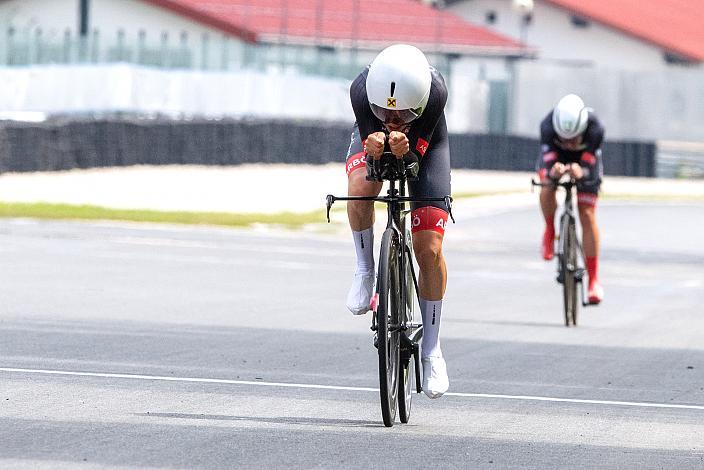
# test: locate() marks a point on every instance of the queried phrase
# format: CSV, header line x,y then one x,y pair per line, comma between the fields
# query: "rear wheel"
x,y
405,386
409,347
388,320
572,263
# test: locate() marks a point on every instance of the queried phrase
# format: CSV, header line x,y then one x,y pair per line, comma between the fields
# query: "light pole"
x,y
83,30
83,18
525,11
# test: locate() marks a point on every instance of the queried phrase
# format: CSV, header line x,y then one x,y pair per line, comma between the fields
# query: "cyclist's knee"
x,y
427,245
587,212
357,185
586,203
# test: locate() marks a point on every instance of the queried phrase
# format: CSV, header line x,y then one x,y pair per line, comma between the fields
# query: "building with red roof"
x,y
342,35
367,24
632,34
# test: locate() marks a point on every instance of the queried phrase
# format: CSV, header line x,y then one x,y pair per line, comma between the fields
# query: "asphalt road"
x,y
154,346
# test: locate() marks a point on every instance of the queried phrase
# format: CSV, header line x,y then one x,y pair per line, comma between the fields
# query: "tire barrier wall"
x,y
63,145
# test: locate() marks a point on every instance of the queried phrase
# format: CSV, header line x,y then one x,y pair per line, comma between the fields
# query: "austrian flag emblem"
x,y
422,146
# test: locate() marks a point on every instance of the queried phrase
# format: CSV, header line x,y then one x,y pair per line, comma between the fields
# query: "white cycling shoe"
x,y
435,381
360,293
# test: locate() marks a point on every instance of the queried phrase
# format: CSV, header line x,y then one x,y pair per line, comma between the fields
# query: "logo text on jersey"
x,y
429,218
422,146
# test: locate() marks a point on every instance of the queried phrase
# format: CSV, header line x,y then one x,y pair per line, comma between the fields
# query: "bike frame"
x,y
569,212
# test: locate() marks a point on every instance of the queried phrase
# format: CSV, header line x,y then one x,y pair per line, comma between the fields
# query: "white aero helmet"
x,y
398,84
570,117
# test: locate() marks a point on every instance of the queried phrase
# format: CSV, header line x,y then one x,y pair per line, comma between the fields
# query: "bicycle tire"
x,y
407,370
388,339
405,388
568,260
572,263
562,266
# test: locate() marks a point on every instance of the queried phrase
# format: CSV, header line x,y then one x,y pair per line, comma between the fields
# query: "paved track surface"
x,y
154,346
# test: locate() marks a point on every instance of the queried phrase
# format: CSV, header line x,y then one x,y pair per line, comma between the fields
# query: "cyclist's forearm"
x,y
589,162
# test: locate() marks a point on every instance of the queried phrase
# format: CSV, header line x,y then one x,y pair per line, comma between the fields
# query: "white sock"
x,y
430,311
364,246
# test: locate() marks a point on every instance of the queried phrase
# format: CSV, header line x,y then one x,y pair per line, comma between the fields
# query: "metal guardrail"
x,y
680,159
63,144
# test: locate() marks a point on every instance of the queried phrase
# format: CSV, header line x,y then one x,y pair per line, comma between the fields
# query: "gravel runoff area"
x,y
261,188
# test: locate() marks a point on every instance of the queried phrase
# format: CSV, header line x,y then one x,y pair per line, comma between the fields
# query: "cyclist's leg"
x,y
428,221
359,213
361,219
590,230
548,206
587,197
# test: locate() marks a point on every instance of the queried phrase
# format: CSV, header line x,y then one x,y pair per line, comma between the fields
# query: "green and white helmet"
x,y
569,119
398,84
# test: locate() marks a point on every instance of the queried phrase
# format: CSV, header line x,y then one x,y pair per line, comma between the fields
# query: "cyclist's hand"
x,y
557,170
375,145
398,142
575,170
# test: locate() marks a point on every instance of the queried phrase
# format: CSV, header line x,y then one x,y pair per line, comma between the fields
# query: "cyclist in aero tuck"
x,y
401,96
571,137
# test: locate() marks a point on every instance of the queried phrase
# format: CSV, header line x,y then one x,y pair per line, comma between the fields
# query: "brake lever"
x,y
448,204
330,199
376,164
401,167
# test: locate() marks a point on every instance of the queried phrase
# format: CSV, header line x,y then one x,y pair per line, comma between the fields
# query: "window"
x,y
675,59
579,22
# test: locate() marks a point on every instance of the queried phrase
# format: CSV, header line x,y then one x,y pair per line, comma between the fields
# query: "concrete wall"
x,y
86,89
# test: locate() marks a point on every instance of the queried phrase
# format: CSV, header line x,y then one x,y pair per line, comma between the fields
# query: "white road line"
x,y
263,247
579,401
353,389
184,379
169,258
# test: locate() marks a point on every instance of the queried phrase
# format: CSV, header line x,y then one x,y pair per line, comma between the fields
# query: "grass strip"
x,y
653,197
43,210
468,195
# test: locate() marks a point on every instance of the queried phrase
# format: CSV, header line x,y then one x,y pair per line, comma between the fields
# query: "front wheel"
x,y
569,271
388,325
